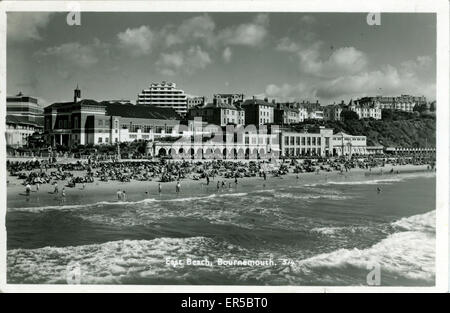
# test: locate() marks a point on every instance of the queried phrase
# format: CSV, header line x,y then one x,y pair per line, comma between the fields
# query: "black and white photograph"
x,y
209,147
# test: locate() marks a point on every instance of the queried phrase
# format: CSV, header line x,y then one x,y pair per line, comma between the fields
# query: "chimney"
x,y
266,99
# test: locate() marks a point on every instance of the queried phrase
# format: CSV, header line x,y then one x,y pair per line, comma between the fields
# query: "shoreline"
x,y
140,190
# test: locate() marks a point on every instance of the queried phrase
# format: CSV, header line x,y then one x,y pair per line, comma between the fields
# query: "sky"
x,y
284,56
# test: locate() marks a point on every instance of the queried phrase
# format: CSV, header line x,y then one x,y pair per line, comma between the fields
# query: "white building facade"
x,y
164,95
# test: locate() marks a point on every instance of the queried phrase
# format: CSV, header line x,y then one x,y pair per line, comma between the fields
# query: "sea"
x,y
340,231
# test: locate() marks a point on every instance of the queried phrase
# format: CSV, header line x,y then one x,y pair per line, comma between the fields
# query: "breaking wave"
x,y
409,253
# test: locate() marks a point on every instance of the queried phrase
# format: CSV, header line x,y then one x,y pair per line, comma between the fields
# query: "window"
x,y
286,140
303,141
100,139
309,141
106,139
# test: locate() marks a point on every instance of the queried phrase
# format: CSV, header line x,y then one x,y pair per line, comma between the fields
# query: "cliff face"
x,y
408,133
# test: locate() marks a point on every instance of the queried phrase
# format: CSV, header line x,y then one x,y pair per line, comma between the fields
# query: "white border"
x,y
440,7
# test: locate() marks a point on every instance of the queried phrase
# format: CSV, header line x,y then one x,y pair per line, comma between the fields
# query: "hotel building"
x,y
366,109
164,95
404,103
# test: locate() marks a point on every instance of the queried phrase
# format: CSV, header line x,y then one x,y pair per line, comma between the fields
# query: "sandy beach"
x,y
100,191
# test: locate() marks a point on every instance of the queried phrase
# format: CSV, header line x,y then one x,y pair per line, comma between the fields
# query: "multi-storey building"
x,y
314,110
195,102
24,117
164,95
84,122
332,112
402,103
228,98
219,113
365,109
25,106
258,112
287,113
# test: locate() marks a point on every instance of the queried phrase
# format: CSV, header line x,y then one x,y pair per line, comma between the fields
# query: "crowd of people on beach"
x,y
36,172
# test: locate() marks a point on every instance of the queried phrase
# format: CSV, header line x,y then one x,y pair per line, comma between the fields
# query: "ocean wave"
x,y
421,222
410,253
333,230
112,262
312,196
407,254
105,203
381,181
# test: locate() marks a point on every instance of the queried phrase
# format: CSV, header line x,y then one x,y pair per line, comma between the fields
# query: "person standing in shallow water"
x,y
178,187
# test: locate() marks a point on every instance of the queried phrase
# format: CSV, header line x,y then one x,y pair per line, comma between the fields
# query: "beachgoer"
x,y
159,188
56,190
235,180
37,186
177,187
218,185
63,192
378,190
28,189
119,194
124,196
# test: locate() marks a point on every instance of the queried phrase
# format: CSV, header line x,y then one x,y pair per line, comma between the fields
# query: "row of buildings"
x,y
166,94
163,111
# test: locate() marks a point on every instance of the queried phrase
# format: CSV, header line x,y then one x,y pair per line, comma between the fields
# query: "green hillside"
x,y
409,133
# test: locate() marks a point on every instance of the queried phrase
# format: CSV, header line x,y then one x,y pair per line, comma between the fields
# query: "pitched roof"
x,y
256,102
140,111
219,106
81,102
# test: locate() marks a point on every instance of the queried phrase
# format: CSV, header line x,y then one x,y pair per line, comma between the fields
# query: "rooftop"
x,y
140,111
